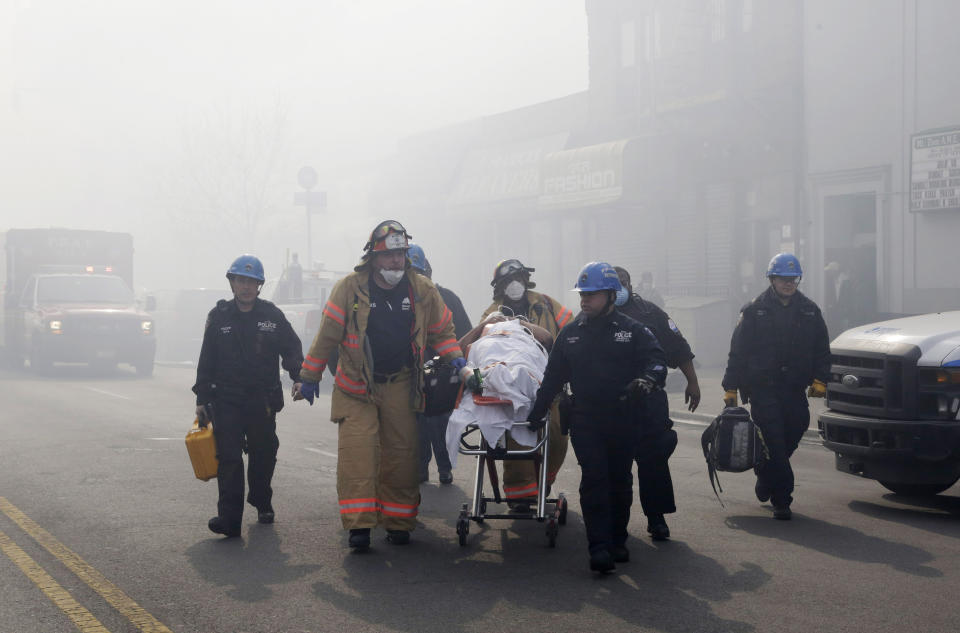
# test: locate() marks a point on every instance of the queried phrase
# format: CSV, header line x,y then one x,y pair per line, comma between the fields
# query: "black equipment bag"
x,y
732,443
441,387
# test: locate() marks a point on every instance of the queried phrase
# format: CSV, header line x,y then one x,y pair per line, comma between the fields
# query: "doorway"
x,y
850,253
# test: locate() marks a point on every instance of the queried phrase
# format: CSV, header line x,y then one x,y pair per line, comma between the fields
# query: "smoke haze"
x,y
151,117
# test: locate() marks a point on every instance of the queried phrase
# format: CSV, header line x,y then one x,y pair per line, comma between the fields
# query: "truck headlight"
x,y
56,327
146,327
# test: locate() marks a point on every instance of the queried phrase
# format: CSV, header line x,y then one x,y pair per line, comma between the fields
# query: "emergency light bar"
x,y
76,268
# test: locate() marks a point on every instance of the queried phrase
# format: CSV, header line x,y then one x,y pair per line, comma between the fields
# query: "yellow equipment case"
x,y
202,449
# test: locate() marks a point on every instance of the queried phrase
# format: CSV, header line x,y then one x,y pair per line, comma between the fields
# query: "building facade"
x,y
715,134
883,143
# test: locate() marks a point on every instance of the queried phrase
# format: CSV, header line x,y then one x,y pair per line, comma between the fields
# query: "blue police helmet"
x,y
784,265
246,266
597,276
418,259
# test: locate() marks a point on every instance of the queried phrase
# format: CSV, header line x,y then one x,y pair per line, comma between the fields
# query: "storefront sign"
x,y
585,176
935,175
503,173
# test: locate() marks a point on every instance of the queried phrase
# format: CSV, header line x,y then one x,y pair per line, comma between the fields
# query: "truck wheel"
x,y
39,363
144,370
917,490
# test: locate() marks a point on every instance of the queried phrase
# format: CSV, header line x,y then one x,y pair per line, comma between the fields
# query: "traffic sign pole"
x,y
312,201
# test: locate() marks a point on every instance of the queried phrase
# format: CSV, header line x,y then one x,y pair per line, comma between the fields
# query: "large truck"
x,y
893,403
67,297
303,303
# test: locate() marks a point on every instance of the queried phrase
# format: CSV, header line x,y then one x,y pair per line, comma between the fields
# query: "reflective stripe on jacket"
x,y
344,325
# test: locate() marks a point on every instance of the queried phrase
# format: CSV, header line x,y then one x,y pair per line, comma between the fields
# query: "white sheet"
x,y
512,363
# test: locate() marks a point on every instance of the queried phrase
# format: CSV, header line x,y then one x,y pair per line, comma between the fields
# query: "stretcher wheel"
x,y
463,528
562,509
552,531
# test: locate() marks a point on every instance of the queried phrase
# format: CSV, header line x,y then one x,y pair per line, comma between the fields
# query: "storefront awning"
x,y
504,173
585,176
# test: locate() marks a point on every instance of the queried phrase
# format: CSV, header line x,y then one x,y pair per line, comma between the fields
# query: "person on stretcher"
x,y
511,355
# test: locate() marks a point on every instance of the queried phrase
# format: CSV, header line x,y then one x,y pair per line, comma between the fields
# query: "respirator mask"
x,y
392,277
514,290
622,296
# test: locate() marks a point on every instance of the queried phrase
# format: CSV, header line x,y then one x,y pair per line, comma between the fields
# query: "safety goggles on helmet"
x,y
387,236
509,267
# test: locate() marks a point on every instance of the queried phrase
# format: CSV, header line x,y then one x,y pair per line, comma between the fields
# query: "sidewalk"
x,y
711,400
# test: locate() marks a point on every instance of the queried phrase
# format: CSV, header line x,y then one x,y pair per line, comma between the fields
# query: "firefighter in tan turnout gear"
x,y
513,296
380,318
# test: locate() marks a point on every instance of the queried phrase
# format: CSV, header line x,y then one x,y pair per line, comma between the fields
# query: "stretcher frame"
x,y
487,456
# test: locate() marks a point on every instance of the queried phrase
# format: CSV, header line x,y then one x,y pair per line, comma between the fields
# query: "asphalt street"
x,y
103,528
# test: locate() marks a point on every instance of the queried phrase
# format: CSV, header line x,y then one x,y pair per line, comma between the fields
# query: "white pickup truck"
x,y
893,403
303,309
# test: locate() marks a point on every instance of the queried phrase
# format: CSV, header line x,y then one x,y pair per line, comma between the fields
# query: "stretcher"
x,y
553,511
511,362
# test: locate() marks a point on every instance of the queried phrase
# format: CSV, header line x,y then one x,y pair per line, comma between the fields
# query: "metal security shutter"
x,y
626,238
718,203
685,236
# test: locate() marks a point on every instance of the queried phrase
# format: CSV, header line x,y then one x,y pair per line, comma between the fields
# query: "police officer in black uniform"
x,y
657,437
238,388
432,429
611,362
779,347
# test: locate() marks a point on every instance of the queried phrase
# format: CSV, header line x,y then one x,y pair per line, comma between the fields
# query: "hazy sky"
x,y
95,95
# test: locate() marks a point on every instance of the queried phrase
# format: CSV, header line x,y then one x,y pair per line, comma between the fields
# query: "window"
x,y
646,30
83,289
655,47
718,27
628,44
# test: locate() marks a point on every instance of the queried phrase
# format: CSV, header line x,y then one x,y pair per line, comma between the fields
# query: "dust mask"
x,y
392,277
622,295
514,290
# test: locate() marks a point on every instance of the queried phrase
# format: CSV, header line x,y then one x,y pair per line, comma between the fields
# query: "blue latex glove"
x,y
310,390
459,363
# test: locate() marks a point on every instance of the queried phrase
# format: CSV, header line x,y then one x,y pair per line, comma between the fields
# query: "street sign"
x,y
935,170
315,201
307,177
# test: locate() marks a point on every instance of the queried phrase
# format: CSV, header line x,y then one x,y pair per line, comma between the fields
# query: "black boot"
x,y
601,561
620,553
219,526
782,513
398,537
265,514
360,538
657,527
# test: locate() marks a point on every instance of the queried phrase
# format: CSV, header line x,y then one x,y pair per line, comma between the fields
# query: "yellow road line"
x,y
110,592
60,596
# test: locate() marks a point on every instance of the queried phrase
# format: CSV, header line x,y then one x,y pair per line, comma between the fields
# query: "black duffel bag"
x,y
441,387
732,443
